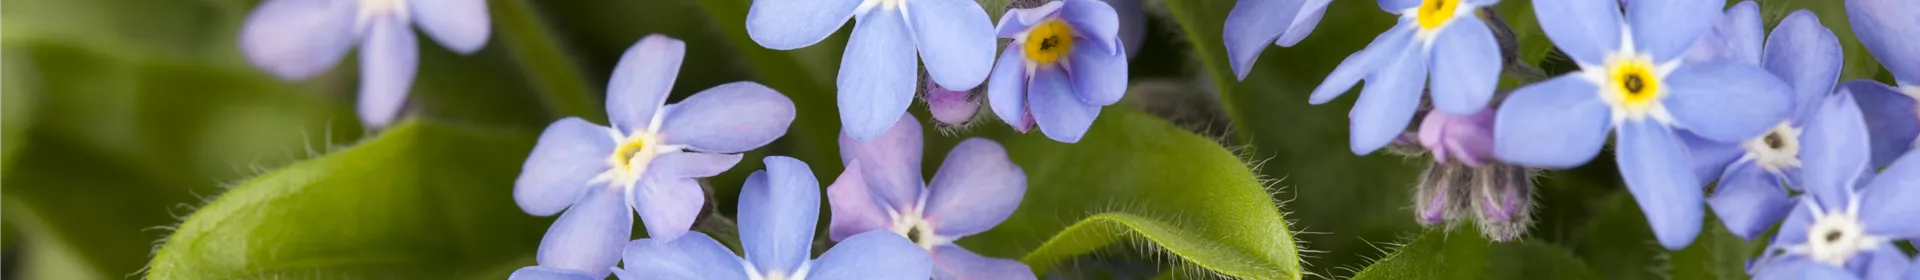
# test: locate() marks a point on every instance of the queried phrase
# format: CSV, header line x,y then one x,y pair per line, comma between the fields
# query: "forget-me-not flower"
x,y
296,39
1254,24
1633,79
976,188
1846,224
1753,174
646,162
1441,37
877,71
1066,61
778,211
1887,28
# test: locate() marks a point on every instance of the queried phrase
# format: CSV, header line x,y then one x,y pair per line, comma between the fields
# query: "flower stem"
x,y
555,75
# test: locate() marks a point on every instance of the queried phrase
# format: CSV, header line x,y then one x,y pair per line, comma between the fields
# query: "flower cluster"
x,y
297,39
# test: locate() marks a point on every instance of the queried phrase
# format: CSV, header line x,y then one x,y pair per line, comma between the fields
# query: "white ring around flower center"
x,y
1425,35
1776,151
1610,90
869,5
1835,237
912,224
624,169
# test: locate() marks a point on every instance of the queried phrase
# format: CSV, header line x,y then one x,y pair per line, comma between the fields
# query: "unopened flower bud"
x,y
951,107
1502,201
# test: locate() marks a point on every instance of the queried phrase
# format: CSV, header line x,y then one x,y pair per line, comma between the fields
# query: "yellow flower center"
x,y
1048,41
623,155
1634,86
1434,13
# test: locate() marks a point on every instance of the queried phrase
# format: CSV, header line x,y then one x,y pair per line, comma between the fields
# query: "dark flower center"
x,y
1634,84
1774,141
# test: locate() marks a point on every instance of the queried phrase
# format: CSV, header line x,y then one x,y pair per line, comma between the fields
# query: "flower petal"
x,y
1807,56
951,107
1711,158
1892,119
296,39
1017,21
1833,151
570,152
1738,36
876,75
1466,67
1397,6
588,237
1555,124
459,25
778,208
976,188
792,24
955,38
1586,30
729,118
1749,201
1388,101
542,273
1804,269
1468,139
953,262
855,208
1098,78
1666,29
1888,205
891,162
1659,175
1007,90
694,256
1361,64
667,206
1887,262
388,59
874,255
1250,26
642,81
691,164
1886,28
1303,23
1096,22
1726,101
1061,115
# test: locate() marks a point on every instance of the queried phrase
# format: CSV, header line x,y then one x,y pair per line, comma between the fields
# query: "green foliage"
x,y
1462,254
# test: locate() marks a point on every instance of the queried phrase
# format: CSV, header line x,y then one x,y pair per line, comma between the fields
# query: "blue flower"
x,y
1846,224
778,211
1066,61
877,70
1887,29
1442,37
297,39
1633,78
1754,173
976,188
646,162
1254,24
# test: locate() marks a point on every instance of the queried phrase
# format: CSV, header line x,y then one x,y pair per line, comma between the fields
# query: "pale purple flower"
x,y
1846,225
1254,24
976,188
297,39
954,38
1467,139
1066,62
1439,46
1887,29
646,162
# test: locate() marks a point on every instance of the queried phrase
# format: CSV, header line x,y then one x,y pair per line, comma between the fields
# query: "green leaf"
x,y
1463,254
421,201
1136,179
1620,242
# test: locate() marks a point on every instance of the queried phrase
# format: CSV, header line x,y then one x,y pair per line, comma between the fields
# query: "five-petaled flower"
x,y
976,188
1887,29
1633,78
1442,37
1254,24
1846,224
877,70
1066,61
297,39
646,162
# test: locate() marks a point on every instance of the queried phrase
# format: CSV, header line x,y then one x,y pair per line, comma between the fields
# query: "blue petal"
x,y
1804,269
1726,101
691,164
876,75
1807,56
778,209
729,118
459,25
693,257
1833,151
1666,29
1061,115
570,152
1388,101
1887,29
1098,78
1656,170
891,162
875,255
1749,201
296,39
1466,67
1887,262
1586,30
1096,22
1558,123
792,24
1888,205
588,237
976,188
1892,119
1361,64
955,38
1303,23
953,262
542,273
1007,90
1737,36
667,206
642,80
1793,230
1250,26
1710,158
855,208
1016,21
388,58
1397,6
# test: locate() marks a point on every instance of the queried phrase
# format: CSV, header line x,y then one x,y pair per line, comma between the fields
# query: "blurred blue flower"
x,y
1753,174
1846,224
646,162
1254,24
1442,37
1887,29
877,70
1066,61
297,39
1633,78
976,188
778,210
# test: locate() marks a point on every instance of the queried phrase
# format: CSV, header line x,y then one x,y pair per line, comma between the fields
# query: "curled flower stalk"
x,y
297,39
1065,63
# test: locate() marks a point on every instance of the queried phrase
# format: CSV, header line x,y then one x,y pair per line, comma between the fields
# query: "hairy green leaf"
x,y
1463,254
